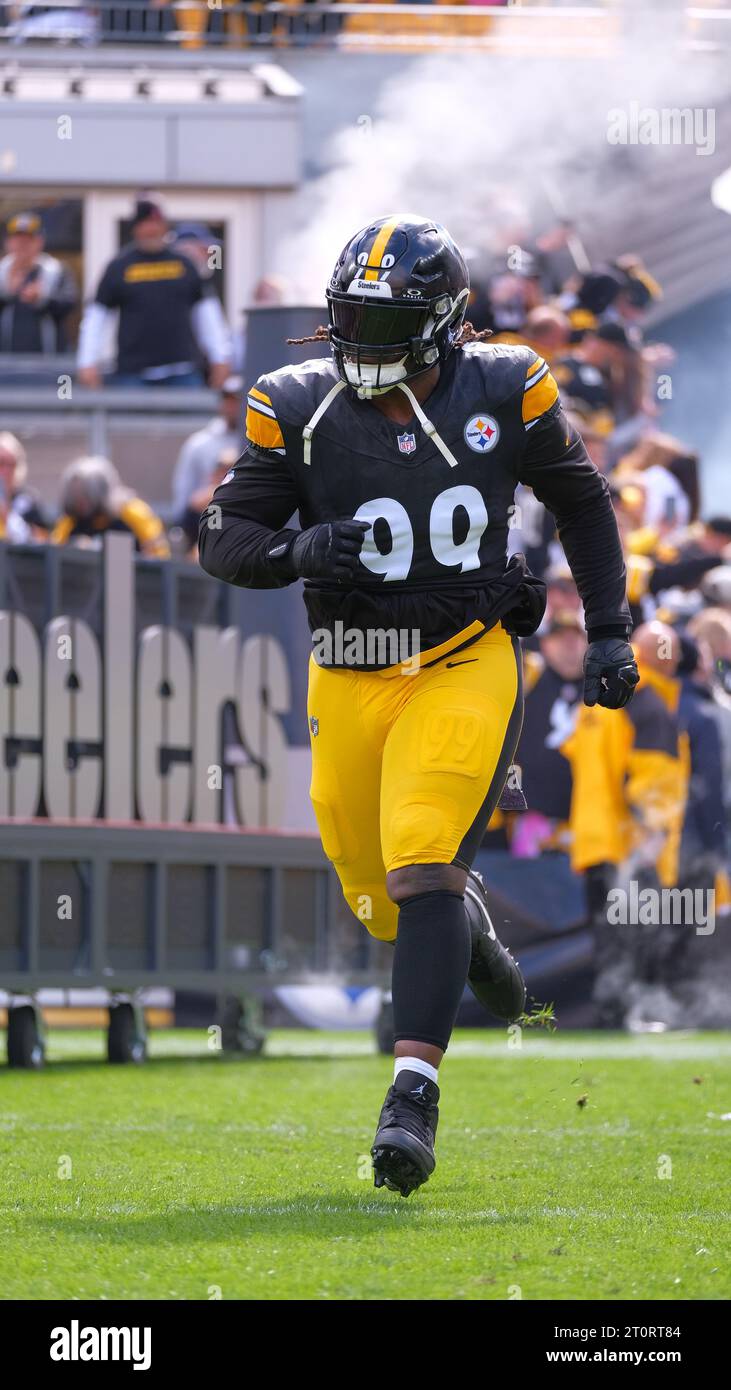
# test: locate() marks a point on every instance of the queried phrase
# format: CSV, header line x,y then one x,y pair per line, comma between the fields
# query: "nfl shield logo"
x,y
406,443
314,725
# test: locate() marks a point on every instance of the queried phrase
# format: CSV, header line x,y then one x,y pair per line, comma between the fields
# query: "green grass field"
x,y
196,1174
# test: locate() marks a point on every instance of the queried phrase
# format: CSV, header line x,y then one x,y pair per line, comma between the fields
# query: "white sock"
x,y
415,1064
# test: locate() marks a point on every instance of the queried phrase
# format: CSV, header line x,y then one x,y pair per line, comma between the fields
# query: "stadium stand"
x,y
84,452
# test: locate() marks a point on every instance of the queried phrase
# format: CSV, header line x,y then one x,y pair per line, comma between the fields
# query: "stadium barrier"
x,y
123,908
155,826
152,757
141,430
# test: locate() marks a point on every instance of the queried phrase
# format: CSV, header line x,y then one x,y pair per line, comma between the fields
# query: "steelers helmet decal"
x,y
396,301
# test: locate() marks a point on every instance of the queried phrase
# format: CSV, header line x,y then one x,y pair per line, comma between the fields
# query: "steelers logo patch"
x,y
482,433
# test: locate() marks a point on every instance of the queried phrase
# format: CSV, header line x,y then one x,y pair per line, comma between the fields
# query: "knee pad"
x,y
420,832
373,907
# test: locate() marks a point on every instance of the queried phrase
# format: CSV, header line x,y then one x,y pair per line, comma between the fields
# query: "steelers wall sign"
x,y
482,433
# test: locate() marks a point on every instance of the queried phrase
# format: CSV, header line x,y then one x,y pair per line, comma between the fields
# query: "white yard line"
x,y
671,1047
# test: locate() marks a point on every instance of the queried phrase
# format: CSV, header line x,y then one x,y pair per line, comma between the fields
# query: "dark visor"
x,y
374,324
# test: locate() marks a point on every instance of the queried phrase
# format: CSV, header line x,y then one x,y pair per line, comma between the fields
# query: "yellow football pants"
x,y
407,769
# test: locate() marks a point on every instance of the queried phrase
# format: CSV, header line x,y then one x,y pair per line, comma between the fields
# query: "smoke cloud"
x,y
497,147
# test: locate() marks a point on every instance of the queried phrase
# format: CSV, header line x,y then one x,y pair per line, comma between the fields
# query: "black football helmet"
x,y
396,300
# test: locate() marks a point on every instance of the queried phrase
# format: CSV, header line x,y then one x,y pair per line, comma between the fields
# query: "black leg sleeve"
x,y
430,964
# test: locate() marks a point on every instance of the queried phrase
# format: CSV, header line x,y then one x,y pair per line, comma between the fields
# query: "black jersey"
x,y
155,292
434,560
550,708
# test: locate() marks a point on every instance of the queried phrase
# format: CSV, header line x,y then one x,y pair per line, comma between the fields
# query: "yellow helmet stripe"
x,y
378,248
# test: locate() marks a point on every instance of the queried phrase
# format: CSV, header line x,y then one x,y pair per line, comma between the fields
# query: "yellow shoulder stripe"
x,y
263,430
260,395
538,397
539,362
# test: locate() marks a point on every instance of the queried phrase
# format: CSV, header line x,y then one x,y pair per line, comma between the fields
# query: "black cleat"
x,y
494,977
403,1149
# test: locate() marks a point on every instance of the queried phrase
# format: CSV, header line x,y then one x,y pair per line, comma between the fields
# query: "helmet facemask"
x,y
379,341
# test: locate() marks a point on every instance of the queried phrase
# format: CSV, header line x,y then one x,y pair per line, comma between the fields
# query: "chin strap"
x,y
324,405
429,429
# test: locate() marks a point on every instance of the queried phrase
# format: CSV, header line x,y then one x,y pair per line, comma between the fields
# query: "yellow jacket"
x,y
630,771
134,516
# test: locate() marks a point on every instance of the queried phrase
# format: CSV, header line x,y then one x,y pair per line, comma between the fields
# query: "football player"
x,y
401,452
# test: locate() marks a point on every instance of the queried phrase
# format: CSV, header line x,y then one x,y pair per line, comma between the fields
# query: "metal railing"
x,y
185,26
196,909
190,24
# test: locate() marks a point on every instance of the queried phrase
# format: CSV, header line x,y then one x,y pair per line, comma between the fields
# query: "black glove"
x,y
610,673
328,551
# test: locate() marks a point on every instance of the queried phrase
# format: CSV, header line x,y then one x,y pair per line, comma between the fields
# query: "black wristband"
x,y
619,630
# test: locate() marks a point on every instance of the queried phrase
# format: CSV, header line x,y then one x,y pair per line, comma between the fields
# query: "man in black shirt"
x,y
164,309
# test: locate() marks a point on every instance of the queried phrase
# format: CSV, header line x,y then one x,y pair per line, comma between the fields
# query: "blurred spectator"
x,y
638,291
662,571
532,529
668,472
601,375
547,331
37,291
513,293
704,841
621,291
270,289
94,501
21,515
629,776
711,631
189,523
713,627
201,451
594,439
33,21
193,21
561,590
553,681
198,243
164,312
716,585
